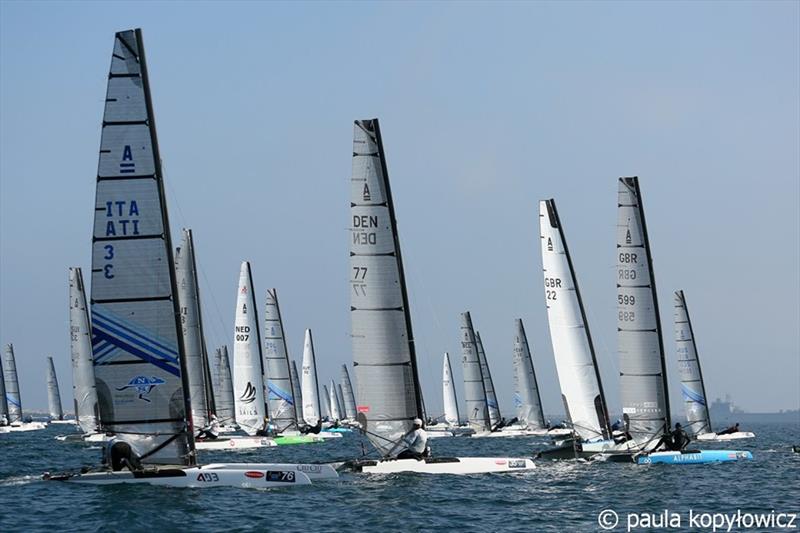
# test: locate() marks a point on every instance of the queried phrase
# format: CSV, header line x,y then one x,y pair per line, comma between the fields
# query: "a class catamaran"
x,y
84,390
223,390
12,395
642,365
141,378
692,386
384,355
54,396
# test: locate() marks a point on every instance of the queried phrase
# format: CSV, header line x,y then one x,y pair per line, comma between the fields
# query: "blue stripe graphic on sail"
x,y
275,393
692,396
137,351
101,348
12,400
131,329
115,333
491,403
517,399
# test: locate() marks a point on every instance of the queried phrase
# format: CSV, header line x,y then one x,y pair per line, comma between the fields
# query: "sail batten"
x,y
576,363
53,392
384,358
474,388
528,401
693,389
642,367
248,370
280,391
137,344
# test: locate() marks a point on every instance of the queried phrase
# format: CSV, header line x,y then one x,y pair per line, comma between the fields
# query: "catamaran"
x,y
312,410
642,365
54,396
449,424
223,391
141,379
384,355
13,399
348,397
3,401
692,386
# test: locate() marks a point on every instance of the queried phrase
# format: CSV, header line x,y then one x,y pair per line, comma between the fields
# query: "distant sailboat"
x,y
474,385
336,411
139,353
488,384
692,387
349,396
384,355
3,401
84,390
13,399
298,392
54,396
449,396
280,390
310,385
224,389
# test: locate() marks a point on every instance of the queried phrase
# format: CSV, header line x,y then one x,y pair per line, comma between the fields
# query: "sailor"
x,y
210,431
315,429
617,426
733,429
680,439
416,442
267,430
4,420
118,454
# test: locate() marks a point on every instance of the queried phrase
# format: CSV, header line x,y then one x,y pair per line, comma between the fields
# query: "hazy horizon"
x,y
485,109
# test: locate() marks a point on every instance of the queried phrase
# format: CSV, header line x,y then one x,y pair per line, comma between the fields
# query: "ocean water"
x,y
557,496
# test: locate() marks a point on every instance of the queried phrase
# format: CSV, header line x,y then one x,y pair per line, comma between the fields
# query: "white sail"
x,y
3,399
645,403
449,393
384,359
348,395
226,410
137,345
526,394
326,403
84,390
280,396
247,364
474,390
309,385
336,411
298,393
192,328
53,393
488,383
12,385
576,364
692,387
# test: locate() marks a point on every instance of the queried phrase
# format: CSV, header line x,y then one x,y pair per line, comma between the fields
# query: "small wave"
x,y
18,480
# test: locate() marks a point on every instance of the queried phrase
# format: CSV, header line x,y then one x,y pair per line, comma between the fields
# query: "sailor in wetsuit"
x,y
733,429
675,441
118,454
210,431
416,442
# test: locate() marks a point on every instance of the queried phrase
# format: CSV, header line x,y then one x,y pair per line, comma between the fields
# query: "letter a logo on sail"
x,y
628,237
127,166
549,244
367,196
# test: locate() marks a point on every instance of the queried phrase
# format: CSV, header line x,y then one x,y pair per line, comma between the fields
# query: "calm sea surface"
x,y
558,496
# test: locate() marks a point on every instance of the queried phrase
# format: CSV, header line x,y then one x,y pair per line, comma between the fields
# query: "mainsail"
x,y
136,338
84,390
576,364
488,384
310,386
643,373
53,394
384,358
340,397
526,395
298,394
348,395
226,412
3,399
449,393
474,391
247,364
692,386
280,391
336,411
326,403
192,328
12,385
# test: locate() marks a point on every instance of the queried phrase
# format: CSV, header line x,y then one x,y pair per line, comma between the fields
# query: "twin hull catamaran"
x,y
12,406
139,351
384,358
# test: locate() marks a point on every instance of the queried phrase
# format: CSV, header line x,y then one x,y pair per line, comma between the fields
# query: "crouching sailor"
x,y
118,454
210,431
416,442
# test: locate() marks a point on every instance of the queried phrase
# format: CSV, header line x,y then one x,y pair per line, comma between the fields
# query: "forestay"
x,y
280,394
136,339
488,383
450,397
53,393
84,390
310,386
474,391
384,358
349,396
645,404
692,387
12,385
224,389
576,363
248,372
526,395
192,328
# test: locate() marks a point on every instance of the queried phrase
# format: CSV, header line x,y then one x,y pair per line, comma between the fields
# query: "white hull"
x,y
63,422
438,434
730,436
24,426
455,465
228,429
515,432
327,435
224,475
235,443
315,472
83,437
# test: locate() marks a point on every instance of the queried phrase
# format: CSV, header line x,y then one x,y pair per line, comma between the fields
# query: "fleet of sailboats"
x,y
143,380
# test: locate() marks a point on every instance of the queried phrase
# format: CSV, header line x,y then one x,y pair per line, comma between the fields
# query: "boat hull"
x,y
694,457
447,465
287,440
729,436
25,426
235,443
315,472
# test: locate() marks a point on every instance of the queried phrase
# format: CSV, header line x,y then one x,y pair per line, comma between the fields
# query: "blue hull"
x,y
694,457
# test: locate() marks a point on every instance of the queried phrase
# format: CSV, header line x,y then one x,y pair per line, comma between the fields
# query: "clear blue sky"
x,y
485,109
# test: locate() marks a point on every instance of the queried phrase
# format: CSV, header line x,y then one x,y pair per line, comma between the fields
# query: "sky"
x,y
485,109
